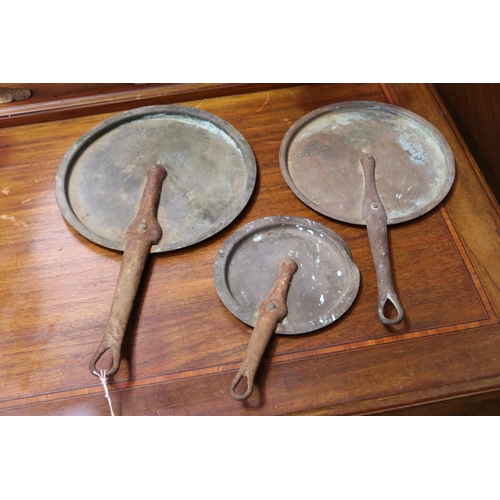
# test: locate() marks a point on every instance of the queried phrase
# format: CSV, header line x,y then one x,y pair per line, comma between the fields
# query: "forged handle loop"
x,y
242,374
115,353
382,301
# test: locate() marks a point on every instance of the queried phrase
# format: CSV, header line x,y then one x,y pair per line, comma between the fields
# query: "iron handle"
x,y
375,218
141,234
271,311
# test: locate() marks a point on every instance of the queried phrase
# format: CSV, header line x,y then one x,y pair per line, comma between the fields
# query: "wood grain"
x,y
183,347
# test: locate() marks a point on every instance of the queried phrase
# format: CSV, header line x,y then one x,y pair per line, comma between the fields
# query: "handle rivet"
x,y
141,227
369,157
271,305
374,206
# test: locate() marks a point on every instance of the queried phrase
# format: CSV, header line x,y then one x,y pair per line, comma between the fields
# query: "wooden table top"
x,y
183,347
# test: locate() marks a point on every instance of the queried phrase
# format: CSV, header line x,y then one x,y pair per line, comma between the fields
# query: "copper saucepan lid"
x,y
153,179
368,163
285,275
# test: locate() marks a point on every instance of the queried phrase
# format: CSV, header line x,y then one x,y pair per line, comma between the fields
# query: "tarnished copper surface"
x,y
143,232
325,282
324,286
272,310
211,170
320,161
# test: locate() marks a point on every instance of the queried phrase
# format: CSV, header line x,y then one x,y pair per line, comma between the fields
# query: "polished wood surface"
x,y
183,347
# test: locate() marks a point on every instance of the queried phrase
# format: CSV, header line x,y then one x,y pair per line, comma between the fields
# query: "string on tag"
x,y
102,377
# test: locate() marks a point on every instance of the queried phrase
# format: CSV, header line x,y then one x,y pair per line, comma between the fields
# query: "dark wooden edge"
x,y
475,167
410,382
484,404
456,403
25,112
